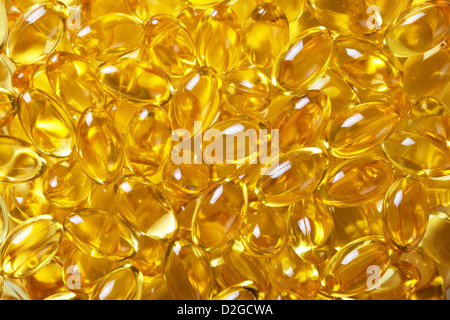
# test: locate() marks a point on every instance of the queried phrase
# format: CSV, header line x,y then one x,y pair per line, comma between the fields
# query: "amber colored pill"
x,y
437,236
429,106
8,107
22,76
242,291
45,282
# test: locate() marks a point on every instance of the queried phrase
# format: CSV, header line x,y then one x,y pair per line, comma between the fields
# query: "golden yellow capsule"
x,y
292,8
303,120
30,246
347,17
360,129
310,228
145,9
437,236
97,8
187,272
40,81
247,90
427,74
46,123
243,291
155,288
266,32
298,276
219,39
204,4
73,80
19,160
427,267
102,198
22,76
148,140
350,223
291,72
27,200
358,181
69,296
65,184
13,290
219,213
45,282
150,256
428,107
3,27
347,271
145,208
81,272
418,29
108,37
122,112
24,5
243,9
99,146
405,213
390,10
4,221
8,107
169,46
100,234
397,97
36,33
418,152
263,231
296,175
124,283
197,99
190,18
367,65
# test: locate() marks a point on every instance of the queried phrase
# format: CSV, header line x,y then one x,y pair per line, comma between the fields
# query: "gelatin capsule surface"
x,y
150,256
436,239
243,291
145,9
45,282
8,107
155,288
350,223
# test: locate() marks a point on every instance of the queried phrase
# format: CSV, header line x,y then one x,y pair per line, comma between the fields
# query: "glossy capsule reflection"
x,y
350,223
124,283
303,60
44,283
241,291
150,256
438,228
8,106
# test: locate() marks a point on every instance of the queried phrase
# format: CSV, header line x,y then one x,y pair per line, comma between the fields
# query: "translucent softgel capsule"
x,y
73,80
362,128
418,152
405,213
219,39
266,32
124,283
429,107
36,33
358,181
4,221
150,256
19,160
108,37
155,288
147,8
419,29
46,123
310,228
148,140
366,65
100,234
350,223
99,146
3,26
187,272
242,291
297,174
135,81
303,60
169,45
145,208
437,237
30,246
45,282
8,106
347,271
219,213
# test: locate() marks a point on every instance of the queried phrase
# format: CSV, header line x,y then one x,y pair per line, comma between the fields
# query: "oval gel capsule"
x,y
124,283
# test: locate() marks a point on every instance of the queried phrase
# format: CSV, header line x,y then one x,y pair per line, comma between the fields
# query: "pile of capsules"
x,y
350,95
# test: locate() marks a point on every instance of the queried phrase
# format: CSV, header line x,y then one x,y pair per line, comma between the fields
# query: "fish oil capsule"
x,y
262,230
427,267
187,272
366,65
436,239
418,152
36,110
397,97
102,198
124,283
347,17
145,9
362,128
100,234
67,296
4,221
40,81
22,76
219,213
30,246
247,90
310,228
418,29
203,4
73,80
350,223
36,33
297,174
99,146
219,39
19,160
97,8
291,72
122,112
405,213
294,274
346,272
266,19
3,26
150,256
108,37
81,272
135,198
169,46
292,8
190,18
45,282
356,182
24,5
390,10
428,107
197,99
243,9
148,140
155,288
303,120
6,71
8,107
242,291
427,74
65,184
